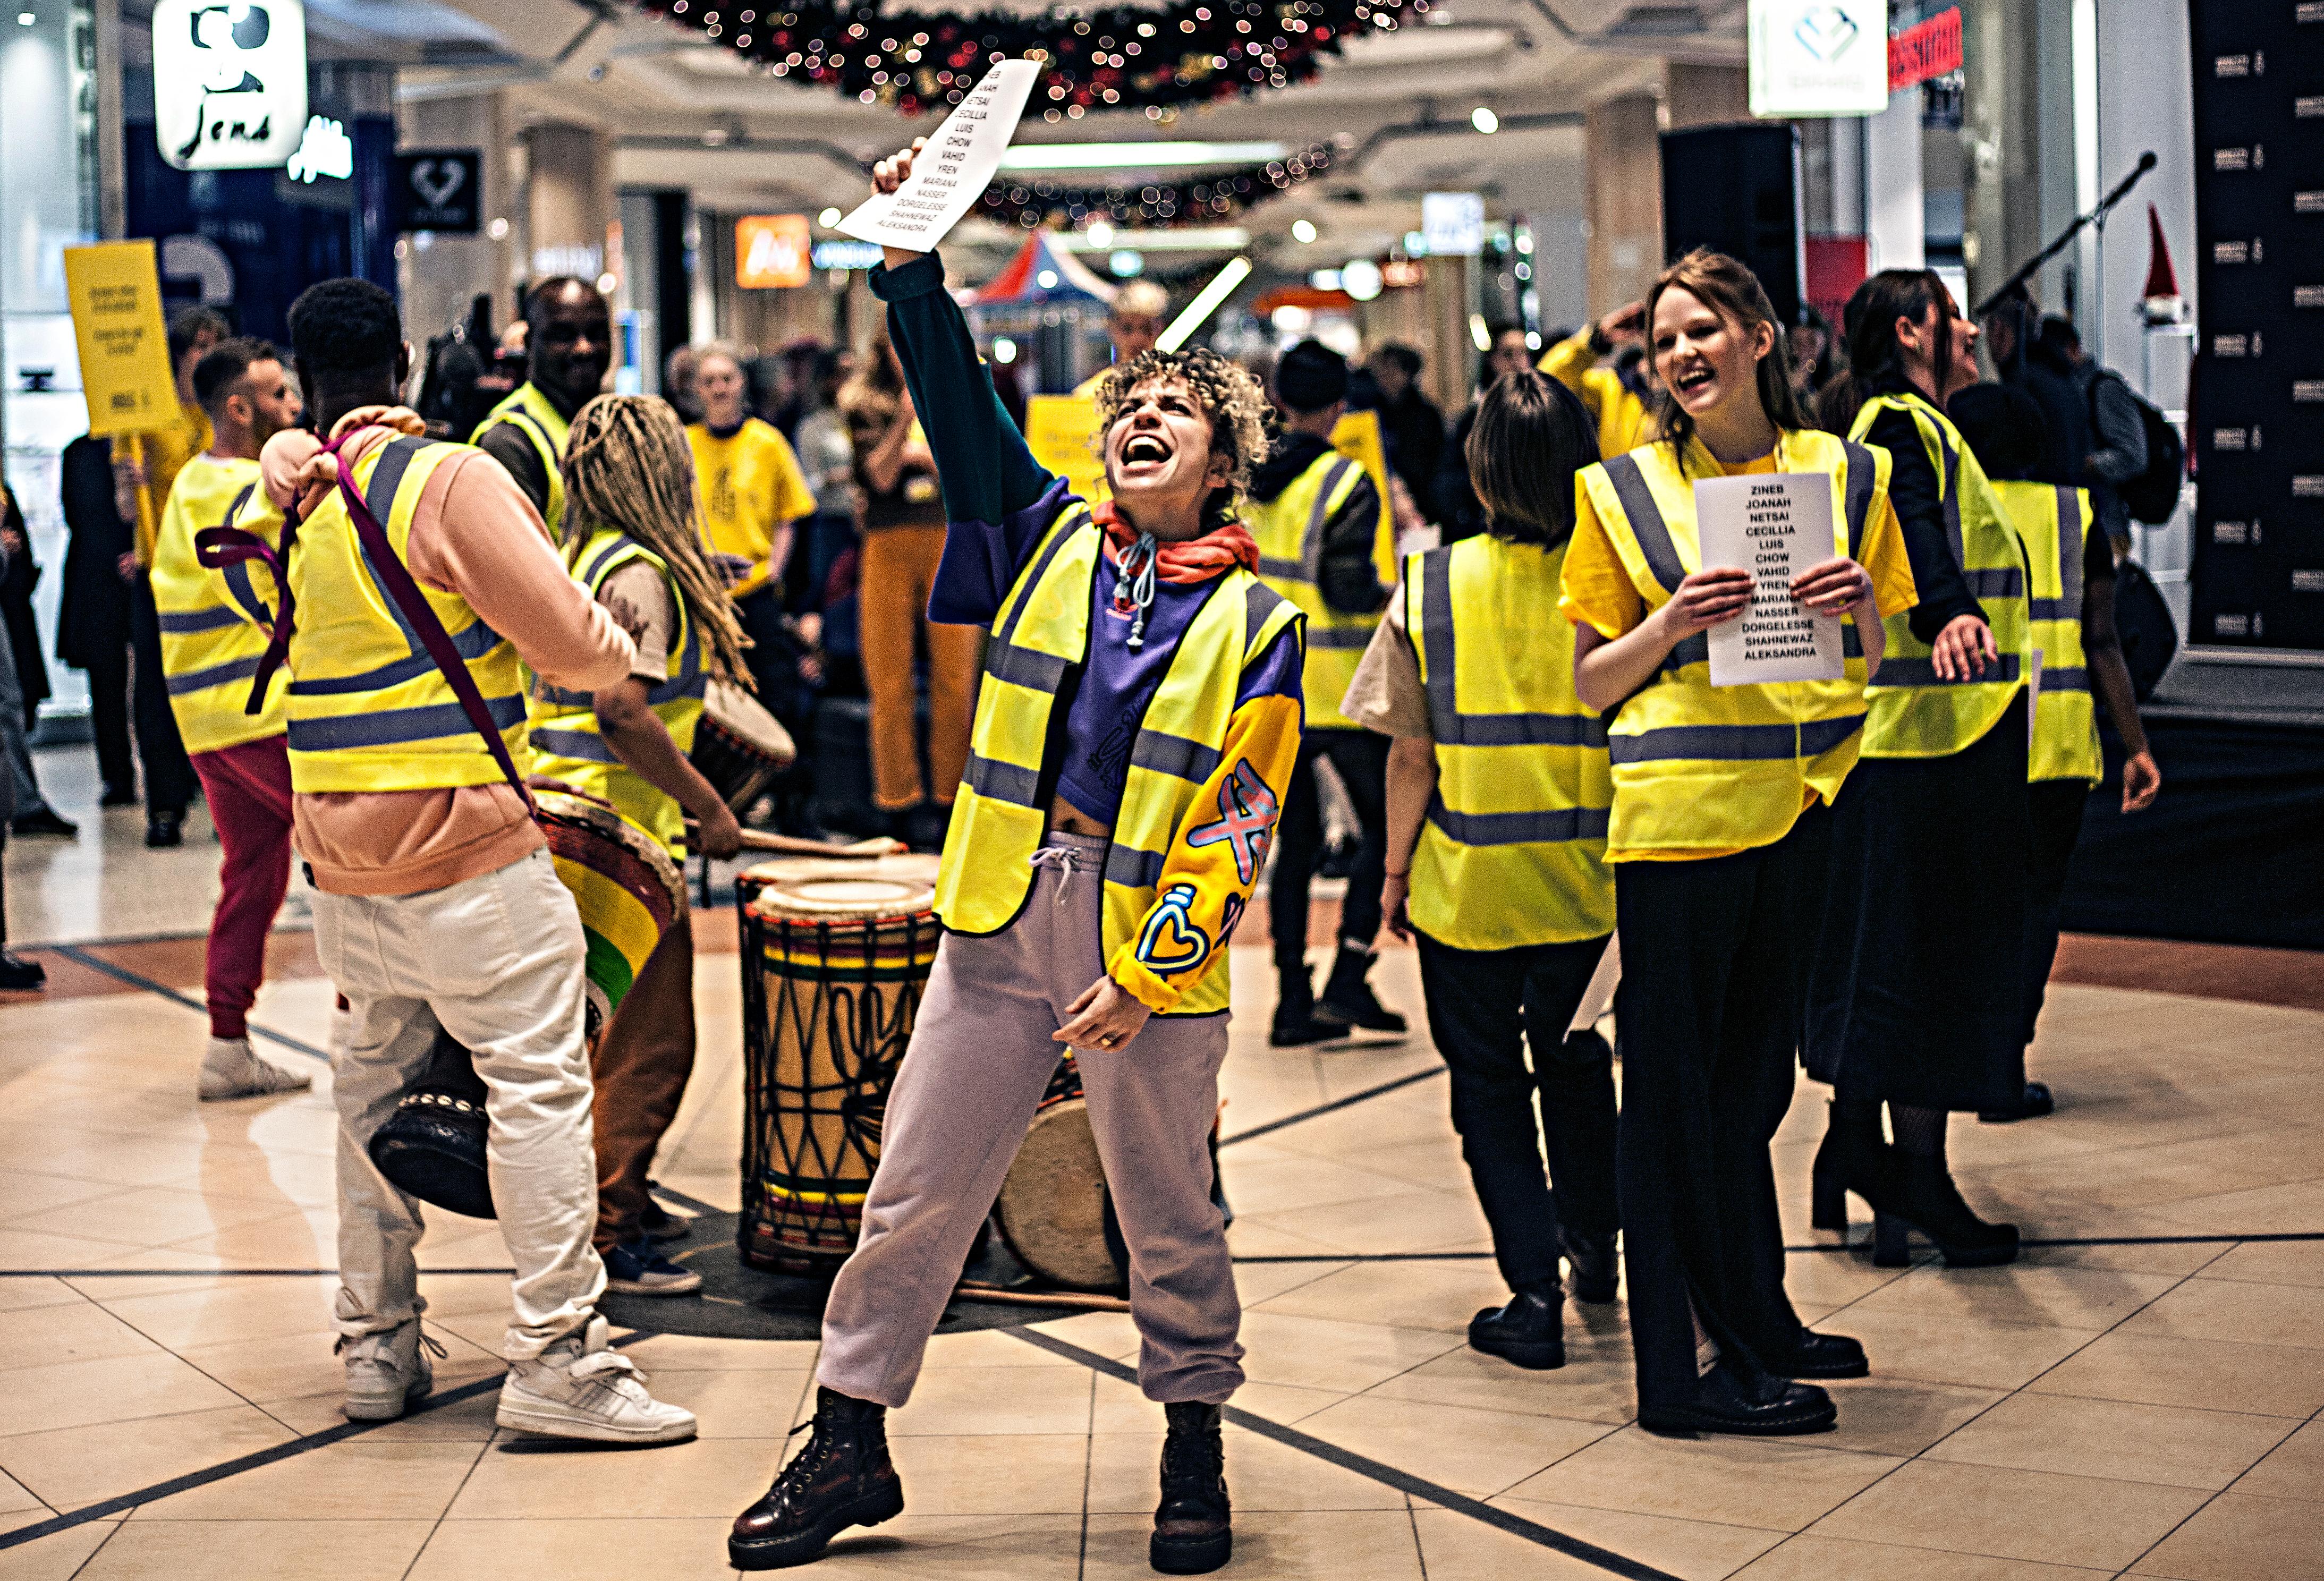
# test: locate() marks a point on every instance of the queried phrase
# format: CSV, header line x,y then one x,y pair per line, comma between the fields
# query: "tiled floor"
x,y
2146,1399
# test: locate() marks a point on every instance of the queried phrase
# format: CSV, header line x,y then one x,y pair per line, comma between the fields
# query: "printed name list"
x,y
953,170
1773,524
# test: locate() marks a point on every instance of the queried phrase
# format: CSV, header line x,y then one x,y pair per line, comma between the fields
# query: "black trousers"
x,y
1715,958
108,714
169,774
1362,759
2057,808
1485,1007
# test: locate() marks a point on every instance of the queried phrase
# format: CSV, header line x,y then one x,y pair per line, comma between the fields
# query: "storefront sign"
x,y
1452,224
229,82
1818,58
1925,50
772,250
116,292
439,189
841,254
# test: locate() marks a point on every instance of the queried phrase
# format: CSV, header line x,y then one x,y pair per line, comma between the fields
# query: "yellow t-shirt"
x,y
163,453
1598,592
752,486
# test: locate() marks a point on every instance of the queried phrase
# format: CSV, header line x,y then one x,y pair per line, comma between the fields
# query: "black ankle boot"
x,y
1594,1265
1192,1525
842,1478
1348,1000
1294,1023
1926,1200
1529,1332
1853,1157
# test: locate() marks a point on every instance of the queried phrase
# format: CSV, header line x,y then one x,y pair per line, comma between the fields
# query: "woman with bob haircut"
x,y
1719,840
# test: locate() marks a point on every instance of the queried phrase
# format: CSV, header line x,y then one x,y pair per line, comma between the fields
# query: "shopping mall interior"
x,y
582,884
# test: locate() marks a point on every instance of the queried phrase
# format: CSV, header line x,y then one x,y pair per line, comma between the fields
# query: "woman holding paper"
x,y
1918,996
1719,838
1134,736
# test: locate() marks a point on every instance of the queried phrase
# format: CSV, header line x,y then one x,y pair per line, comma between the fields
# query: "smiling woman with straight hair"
x,y
1718,838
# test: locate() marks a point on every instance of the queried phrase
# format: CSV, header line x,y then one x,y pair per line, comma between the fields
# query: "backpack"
x,y
2154,494
2142,622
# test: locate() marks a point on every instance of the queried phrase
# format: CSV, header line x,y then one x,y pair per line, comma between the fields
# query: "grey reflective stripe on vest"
x,y
1027,585
585,745
1260,603
1004,782
1446,722
1735,743
389,727
1135,869
2051,609
1859,497
2066,678
1290,570
1544,828
1173,755
2009,582
1646,525
471,642
2069,554
179,623
239,669
1311,547
1922,672
690,681
1024,666
1949,480
1339,636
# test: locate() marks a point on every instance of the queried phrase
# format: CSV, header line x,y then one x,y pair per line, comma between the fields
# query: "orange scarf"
x,y
1196,560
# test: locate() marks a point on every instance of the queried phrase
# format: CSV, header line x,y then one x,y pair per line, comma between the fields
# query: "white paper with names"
x,y
1773,524
953,170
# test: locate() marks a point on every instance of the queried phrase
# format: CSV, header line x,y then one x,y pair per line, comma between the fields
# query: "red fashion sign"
x,y
1925,50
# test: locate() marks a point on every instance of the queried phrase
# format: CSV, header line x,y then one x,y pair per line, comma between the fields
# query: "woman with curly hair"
x,y
1136,726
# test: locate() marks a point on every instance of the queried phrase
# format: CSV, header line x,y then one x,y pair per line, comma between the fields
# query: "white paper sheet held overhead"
x,y
1773,524
952,172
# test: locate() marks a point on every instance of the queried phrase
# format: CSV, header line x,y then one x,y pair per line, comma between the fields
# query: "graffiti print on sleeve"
x,y
1248,809
1170,942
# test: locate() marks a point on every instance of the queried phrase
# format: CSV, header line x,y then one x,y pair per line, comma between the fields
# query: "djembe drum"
x,y
738,746
835,957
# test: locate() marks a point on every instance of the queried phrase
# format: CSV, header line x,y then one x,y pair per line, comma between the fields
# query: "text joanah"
x,y
1775,526
953,170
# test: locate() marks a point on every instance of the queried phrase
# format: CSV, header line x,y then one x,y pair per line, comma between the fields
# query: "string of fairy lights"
x,y
1209,200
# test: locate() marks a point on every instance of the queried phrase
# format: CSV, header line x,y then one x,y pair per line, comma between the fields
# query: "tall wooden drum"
x,y
835,957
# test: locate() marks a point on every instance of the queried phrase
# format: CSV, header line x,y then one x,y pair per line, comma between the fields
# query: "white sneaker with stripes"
x,y
579,1388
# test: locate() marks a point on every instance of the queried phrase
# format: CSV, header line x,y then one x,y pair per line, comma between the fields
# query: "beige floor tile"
x,y
1780,1485
1015,1474
987,1347
1594,1385
57,1556
1257,1282
1809,1557
303,1238
2073,1298
2293,1469
693,1354
296,1365
1119,1408
2238,1537
528,1479
1471,1451
72,1466
468,1420
42,1337
991,1547
2012,1514
2214,1374
1413,1220
1286,1182
1317,1353
15,1497
2271,1262
113,1389
1280,1544
2110,1438
1887,1416
23,1294
953,1400
1443,1296
31,1249
243,1309
1694,1551
1262,1475
1112,1335
1835,1278
2288,1209
28,1199
258,1551
742,1404
1953,1349
364,1478
2260,1314
1461,1548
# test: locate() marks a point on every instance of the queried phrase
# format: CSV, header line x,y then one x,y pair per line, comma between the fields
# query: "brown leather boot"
x,y
842,1478
1191,1534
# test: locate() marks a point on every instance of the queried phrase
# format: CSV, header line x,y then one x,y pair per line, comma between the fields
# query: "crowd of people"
x,y
375,644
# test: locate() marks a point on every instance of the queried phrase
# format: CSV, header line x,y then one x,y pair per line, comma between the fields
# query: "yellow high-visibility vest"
x,y
368,711
1289,531
1913,714
1514,848
1704,768
2053,522
536,417
568,743
1041,631
213,622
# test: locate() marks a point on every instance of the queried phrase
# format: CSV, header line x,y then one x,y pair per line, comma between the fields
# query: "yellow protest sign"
x,y
115,291
1061,431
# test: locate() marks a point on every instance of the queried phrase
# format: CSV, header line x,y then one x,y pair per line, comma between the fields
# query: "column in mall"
x,y
442,272
2006,143
1623,174
568,201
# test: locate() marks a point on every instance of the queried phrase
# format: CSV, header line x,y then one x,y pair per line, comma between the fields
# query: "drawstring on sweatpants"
x,y
1133,586
1066,858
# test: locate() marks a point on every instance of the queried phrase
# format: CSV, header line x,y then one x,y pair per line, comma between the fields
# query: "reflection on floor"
x,y
2143,1400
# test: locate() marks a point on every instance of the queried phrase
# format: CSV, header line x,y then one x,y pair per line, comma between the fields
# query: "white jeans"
x,y
496,961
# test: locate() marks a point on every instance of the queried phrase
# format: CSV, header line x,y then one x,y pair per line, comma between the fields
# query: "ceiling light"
x,y
1004,350
828,218
1478,333
1303,231
1101,234
1360,279
1108,156
1127,264
1205,303
1483,119
1046,279
1324,279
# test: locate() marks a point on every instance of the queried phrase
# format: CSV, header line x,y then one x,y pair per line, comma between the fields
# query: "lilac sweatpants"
x,y
979,1058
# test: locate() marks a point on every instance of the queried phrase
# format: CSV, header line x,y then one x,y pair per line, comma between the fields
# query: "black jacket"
x,y
1349,580
93,613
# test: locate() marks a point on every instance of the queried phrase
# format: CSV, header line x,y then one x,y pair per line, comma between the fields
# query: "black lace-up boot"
x,y
842,1478
1191,1534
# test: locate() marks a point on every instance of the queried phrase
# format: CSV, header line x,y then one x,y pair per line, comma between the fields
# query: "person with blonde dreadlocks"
x,y
632,535
1137,728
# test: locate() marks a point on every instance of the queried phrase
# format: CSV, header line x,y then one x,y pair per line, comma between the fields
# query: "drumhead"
x,y
646,856
1052,1205
731,709
821,889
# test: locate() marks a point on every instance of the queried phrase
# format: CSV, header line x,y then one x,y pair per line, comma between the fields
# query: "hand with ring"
x,y
1106,1016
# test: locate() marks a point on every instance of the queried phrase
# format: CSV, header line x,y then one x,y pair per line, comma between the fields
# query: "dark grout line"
x,y
1404,1481
1336,1104
135,980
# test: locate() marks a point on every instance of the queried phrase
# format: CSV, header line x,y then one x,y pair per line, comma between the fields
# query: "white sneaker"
x,y
387,1370
230,1069
579,1389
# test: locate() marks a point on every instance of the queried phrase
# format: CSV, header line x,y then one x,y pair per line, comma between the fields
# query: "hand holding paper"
x,y
1778,525
920,194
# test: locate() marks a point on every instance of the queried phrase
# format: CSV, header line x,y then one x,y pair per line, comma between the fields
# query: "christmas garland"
x,y
1207,200
1123,56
